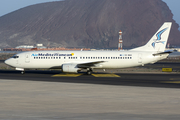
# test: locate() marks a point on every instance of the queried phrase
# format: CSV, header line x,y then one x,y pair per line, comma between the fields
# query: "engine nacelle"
x,y
72,68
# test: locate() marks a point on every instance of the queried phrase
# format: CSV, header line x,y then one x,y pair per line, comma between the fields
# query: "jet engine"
x,y
72,68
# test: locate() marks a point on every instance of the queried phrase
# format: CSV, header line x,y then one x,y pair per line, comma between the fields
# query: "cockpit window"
x,y
15,57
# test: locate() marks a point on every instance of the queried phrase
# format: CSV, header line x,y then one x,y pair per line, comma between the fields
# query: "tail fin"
x,y
158,41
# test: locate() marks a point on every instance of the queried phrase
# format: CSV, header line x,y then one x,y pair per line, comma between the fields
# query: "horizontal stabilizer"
x,y
165,52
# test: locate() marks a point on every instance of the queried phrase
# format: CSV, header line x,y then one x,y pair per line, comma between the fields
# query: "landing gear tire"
x,y
22,72
89,72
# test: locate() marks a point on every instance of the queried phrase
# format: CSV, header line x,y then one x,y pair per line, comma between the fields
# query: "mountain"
x,y
87,23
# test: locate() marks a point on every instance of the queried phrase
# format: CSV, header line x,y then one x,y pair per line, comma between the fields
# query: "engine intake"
x,y
72,68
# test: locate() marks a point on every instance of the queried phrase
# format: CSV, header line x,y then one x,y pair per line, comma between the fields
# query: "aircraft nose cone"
x,y
7,61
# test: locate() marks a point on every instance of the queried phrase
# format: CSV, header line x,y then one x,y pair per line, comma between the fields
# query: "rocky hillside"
x,y
86,23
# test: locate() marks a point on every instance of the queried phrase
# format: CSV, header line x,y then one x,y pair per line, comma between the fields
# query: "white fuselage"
x,y
55,59
74,61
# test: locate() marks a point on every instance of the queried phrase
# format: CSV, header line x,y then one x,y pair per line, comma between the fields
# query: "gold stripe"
x,y
66,75
166,69
174,78
176,82
105,75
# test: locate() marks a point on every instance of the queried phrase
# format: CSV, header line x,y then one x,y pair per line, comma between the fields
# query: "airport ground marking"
x,y
174,78
105,75
67,75
175,82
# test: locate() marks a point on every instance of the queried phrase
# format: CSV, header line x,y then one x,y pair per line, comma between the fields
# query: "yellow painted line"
x,y
66,75
174,78
166,69
105,75
176,82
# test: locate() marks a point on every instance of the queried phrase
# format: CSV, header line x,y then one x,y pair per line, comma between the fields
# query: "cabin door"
x,y
27,58
140,58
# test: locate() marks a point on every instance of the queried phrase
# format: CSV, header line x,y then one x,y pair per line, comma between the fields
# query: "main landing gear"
x,y
89,71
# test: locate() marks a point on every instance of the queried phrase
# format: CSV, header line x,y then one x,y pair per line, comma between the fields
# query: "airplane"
x,y
75,61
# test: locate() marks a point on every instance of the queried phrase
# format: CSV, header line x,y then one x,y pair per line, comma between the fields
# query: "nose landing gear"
x,y
22,72
21,69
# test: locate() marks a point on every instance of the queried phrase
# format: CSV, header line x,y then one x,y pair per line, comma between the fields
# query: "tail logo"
x,y
159,37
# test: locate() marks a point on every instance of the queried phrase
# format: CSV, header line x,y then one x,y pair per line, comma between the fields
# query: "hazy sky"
x,y
7,6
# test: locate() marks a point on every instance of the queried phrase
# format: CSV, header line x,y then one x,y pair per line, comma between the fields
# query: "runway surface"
x,y
137,79
52,95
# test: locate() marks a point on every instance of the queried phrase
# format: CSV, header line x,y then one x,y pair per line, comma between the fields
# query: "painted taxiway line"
x,y
174,82
175,79
66,75
105,75
76,75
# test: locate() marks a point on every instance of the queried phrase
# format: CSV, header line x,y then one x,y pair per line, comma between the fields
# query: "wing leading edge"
x,y
89,64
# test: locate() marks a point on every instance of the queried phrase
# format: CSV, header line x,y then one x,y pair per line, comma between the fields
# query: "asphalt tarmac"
x,y
166,80
52,95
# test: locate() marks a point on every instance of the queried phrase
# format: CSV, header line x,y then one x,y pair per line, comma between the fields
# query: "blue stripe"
x,y
160,33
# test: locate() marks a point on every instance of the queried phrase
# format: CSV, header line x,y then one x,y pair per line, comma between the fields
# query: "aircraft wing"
x,y
89,64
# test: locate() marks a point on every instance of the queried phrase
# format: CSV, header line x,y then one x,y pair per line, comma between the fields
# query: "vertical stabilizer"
x,y
158,41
